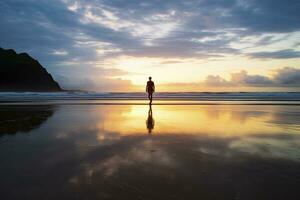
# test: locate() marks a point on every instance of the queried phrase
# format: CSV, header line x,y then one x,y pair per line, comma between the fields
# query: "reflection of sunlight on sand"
x,y
269,131
219,121
111,139
106,152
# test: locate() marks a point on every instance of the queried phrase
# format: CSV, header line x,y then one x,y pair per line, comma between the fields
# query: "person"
x,y
150,88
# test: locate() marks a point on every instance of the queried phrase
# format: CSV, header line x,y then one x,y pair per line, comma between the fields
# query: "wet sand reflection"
x,y
195,152
150,120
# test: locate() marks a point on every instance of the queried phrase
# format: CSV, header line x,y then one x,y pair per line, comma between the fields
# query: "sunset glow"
x,y
185,46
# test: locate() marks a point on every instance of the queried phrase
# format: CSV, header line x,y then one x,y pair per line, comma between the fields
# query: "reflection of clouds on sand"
x,y
243,126
119,154
272,146
135,156
142,154
88,123
287,118
261,145
108,139
177,154
243,116
219,121
106,150
237,114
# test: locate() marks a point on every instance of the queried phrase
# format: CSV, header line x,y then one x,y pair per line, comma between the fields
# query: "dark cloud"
x,y
288,76
283,54
61,32
267,15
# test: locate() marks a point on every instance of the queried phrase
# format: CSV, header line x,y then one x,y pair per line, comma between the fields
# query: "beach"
x,y
150,100
134,151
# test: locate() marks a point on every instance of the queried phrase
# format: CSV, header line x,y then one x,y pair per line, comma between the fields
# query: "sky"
x,y
190,45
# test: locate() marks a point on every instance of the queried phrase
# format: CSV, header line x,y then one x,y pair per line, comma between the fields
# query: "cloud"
x,y
152,28
238,78
243,78
86,33
217,80
282,54
60,52
288,76
283,77
92,84
92,79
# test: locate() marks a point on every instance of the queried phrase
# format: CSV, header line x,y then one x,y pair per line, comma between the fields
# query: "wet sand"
x,y
137,152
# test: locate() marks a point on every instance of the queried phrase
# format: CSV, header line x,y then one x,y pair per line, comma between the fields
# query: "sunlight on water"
x,y
220,121
113,146
276,128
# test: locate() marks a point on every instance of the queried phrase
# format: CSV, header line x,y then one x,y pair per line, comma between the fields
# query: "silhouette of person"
x,y
150,120
150,88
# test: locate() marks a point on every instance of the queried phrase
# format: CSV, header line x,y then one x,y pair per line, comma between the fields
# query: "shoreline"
x,y
175,98
144,102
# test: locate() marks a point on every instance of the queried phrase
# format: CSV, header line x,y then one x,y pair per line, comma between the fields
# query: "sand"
x,y
85,151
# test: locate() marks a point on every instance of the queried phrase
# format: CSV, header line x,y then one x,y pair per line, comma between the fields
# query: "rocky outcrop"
x,y
20,72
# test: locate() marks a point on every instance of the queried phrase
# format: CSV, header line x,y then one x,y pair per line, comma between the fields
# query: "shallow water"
x,y
132,152
162,96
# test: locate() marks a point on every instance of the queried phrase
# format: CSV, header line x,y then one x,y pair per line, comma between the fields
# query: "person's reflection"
x,y
150,120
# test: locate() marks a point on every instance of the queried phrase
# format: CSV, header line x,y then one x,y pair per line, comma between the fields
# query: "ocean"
x,y
161,96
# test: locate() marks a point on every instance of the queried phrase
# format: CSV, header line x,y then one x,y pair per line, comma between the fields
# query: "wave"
x,y
191,96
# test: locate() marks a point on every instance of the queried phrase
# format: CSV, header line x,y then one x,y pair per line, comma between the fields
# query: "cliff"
x,y
20,72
